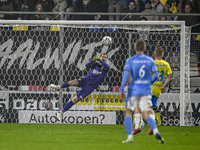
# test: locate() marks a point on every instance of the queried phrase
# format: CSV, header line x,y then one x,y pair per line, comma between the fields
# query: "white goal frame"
x,y
182,53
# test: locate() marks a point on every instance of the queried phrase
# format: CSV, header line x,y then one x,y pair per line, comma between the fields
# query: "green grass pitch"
x,y
93,137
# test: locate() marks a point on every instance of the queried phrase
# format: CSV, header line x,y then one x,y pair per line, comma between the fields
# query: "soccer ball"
x,y
106,40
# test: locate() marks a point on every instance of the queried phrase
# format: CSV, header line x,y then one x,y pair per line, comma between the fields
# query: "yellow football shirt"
x,y
163,69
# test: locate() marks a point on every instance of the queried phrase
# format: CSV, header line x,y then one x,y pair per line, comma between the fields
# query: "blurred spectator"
x,y
131,9
117,6
25,5
172,18
70,17
179,7
15,4
76,6
189,20
47,5
149,10
59,6
6,5
163,18
38,8
158,6
143,1
97,6
85,2
140,5
171,6
194,5
143,19
143,34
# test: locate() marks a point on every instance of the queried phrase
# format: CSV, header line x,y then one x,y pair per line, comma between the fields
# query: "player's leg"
x,y
128,123
74,82
85,91
70,104
142,123
66,107
70,83
145,106
152,114
56,87
118,10
138,116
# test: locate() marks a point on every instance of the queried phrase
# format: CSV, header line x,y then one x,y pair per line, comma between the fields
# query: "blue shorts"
x,y
87,88
154,100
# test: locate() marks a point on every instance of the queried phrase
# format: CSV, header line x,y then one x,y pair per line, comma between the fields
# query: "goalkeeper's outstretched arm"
x,y
89,64
105,65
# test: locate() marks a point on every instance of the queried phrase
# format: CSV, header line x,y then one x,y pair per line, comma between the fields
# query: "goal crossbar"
x,y
61,22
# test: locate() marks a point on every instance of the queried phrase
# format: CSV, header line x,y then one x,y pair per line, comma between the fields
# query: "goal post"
x,y
36,53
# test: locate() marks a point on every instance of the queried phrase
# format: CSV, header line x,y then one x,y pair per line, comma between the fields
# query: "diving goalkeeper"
x,y
99,70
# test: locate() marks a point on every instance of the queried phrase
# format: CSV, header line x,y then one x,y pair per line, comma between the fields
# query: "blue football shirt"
x,y
141,68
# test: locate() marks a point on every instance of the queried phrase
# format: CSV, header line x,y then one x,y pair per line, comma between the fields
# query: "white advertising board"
x,y
69,117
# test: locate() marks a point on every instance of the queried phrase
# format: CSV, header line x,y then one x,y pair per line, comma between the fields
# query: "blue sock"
x,y
151,123
67,106
128,123
64,85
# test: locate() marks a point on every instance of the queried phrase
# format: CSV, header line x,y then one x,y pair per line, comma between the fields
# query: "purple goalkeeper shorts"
x,y
87,88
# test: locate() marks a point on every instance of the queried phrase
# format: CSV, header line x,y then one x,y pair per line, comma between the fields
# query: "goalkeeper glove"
x,y
95,58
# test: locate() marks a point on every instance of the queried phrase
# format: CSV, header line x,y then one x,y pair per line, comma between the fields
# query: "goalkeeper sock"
x,y
128,123
67,106
65,85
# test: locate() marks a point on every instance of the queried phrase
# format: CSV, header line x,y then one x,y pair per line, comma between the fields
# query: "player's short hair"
x,y
103,54
159,51
140,45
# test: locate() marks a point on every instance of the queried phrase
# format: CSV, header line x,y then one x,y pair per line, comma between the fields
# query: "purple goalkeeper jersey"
x,y
92,81
98,72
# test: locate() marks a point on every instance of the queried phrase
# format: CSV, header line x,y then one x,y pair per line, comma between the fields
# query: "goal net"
x,y
35,54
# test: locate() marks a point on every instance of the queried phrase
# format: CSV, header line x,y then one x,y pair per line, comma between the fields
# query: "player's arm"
x,y
105,65
154,72
154,77
89,64
92,61
129,79
123,84
169,79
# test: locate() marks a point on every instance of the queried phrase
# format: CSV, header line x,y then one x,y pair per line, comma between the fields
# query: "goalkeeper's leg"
x,y
56,87
80,95
66,107
65,85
